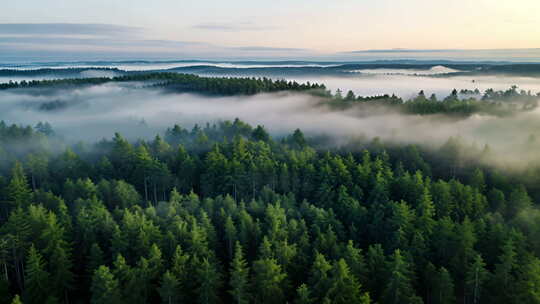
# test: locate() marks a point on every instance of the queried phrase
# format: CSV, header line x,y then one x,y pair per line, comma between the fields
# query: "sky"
x,y
288,29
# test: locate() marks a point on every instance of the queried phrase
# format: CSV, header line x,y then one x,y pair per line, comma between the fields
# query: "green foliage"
x,y
179,83
16,300
18,190
209,280
269,281
168,291
105,288
239,281
226,213
37,278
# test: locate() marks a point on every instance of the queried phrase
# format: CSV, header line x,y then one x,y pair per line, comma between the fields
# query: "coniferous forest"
x,y
227,213
270,152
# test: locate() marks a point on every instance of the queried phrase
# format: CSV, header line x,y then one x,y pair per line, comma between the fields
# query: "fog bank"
x,y
95,112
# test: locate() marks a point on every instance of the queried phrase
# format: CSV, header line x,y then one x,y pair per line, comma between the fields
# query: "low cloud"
x,y
68,29
95,112
234,27
270,49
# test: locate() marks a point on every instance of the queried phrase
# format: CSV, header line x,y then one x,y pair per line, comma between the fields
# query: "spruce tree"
x,y
399,287
105,288
209,281
169,289
18,190
37,279
239,280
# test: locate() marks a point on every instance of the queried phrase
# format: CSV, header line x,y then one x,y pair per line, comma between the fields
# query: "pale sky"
x,y
243,27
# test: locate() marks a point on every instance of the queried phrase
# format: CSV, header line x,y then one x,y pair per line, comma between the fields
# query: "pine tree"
x,y
475,279
18,190
528,289
355,259
319,279
344,287
260,134
505,270
425,214
180,269
209,280
303,295
444,288
61,271
230,236
239,280
168,291
37,281
399,287
268,282
375,263
105,288
95,259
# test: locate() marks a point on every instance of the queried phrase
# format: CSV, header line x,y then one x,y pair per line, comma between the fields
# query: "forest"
x,y
227,213
462,103
459,104
176,82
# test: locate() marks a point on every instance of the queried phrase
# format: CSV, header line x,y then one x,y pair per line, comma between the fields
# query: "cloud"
x,y
233,27
67,29
91,113
269,49
68,41
399,50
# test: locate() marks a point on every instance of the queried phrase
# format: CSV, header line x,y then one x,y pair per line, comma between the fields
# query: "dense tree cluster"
x,y
177,82
499,103
227,214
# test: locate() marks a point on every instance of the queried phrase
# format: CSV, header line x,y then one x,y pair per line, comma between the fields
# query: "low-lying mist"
x,y
408,86
97,112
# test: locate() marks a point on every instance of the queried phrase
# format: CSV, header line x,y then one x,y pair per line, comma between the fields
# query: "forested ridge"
x,y
459,104
227,214
462,104
176,82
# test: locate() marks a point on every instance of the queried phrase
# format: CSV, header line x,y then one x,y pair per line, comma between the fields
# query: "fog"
x,y
90,73
436,70
148,66
405,83
97,112
408,86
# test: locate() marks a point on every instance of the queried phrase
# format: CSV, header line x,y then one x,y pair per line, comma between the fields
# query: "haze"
x,y
345,29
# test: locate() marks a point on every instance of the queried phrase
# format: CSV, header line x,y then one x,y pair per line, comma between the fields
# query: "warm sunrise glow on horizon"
x,y
267,29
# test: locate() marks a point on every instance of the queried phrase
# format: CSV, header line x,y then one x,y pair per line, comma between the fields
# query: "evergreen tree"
x,y
475,279
444,290
319,279
105,288
37,279
399,288
303,295
504,278
95,259
62,278
239,280
169,289
528,290
268,281
344,286
209,280
18,191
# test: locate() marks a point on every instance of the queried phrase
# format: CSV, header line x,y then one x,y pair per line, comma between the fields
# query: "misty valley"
x,y
270,182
